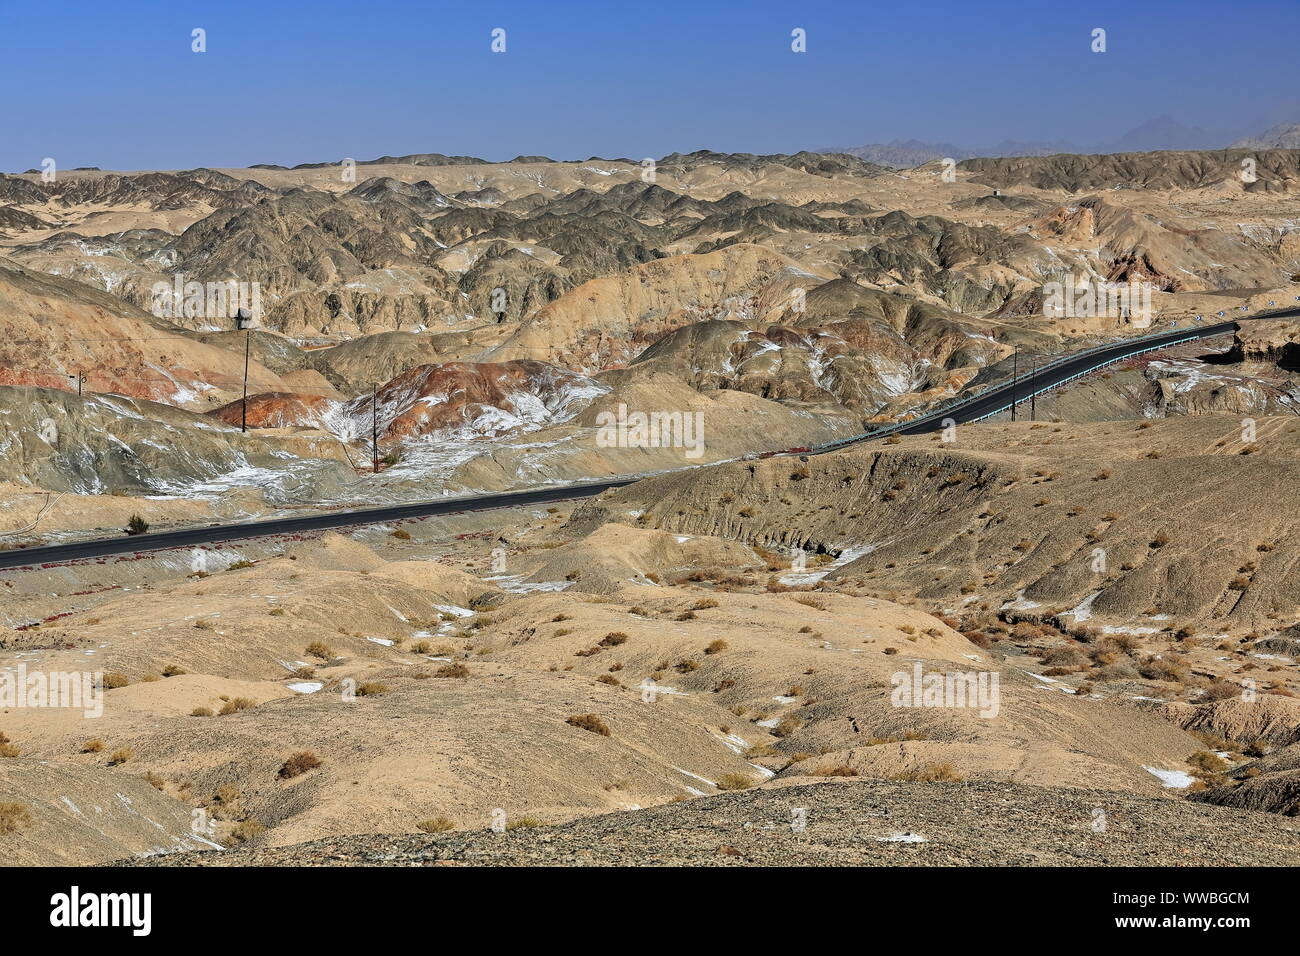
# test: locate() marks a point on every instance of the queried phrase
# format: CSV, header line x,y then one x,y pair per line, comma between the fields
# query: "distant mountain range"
x,y
1282,136
1161,133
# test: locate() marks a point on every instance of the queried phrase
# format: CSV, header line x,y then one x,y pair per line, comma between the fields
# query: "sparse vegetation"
x,y
299,763
436,825
13,817
589,722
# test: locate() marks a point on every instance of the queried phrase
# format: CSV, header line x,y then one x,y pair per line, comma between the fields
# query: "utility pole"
x,y
244,320
1015,372
1033,392
374,427
80,379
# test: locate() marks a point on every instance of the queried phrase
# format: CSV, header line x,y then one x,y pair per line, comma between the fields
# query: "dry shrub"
x,y
319,649
1165,669
613,639
115,680
120,756
371,688
454,669
246,831
13,817
235,705
590,722
787,726
735,781
436,825
1221,690
716,647
839,770
298,764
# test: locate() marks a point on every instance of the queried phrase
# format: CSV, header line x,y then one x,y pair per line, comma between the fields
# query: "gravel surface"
x,y
849,823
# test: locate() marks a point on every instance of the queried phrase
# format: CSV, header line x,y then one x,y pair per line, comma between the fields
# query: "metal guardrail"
x,y
947,410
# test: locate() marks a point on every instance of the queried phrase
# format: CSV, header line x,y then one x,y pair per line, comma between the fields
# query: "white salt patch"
x,y
694,776
906,836
453,609
380,640
1084,609
1172,779
305,686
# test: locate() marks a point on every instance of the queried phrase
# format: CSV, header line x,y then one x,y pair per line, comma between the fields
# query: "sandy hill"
x,y
610,320
55,328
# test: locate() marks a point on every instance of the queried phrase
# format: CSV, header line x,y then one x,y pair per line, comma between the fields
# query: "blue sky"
x,y
116,85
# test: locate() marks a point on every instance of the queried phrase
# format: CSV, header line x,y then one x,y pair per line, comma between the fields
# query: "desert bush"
x,y
173,670
613,639
114,680
235,705
401,535
246,831
1166,669
716,647
1207,762
838,770
319,649
787,726
590,722
120,756
201,712
298,764
371,688
454,669
92,746
435,825
13,817
1221,690
735,781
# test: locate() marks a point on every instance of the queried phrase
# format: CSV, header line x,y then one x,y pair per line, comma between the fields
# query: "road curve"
x,y
987,403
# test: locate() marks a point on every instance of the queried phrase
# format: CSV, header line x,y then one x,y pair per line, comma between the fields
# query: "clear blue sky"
x,y
115,84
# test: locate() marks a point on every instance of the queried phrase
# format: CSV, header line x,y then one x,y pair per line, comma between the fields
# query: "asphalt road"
x,y
981,406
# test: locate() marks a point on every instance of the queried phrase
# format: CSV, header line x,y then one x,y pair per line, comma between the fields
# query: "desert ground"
x,y
701,667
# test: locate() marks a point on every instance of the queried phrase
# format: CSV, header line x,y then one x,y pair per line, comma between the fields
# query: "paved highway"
x,y
981,406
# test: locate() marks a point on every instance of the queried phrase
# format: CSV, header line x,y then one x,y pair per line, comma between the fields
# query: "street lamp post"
x,y
244,323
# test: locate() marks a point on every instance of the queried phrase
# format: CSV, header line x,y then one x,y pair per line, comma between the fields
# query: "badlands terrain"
x,y
697,667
